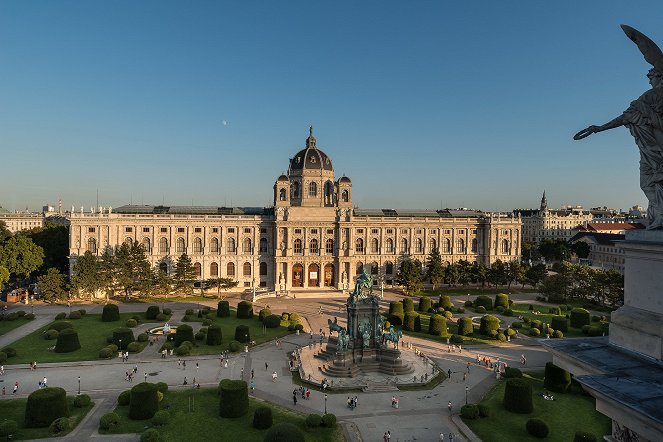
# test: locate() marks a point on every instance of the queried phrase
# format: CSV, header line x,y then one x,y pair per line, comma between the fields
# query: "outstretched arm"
x,y
619,121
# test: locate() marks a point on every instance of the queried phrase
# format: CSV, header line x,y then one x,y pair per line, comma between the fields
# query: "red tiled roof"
x,y
596,227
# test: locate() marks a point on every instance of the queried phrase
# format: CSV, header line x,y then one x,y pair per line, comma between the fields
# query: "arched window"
x,y
374,268
198,269
214,245
475,245
390,245
329,246
374,245
246,269
345,196
180,246
246,245
329,193
295,189
214,269
163,245
163,267
230,269
263,269
403,245
313,247
447,245
147,245
197,246
297,247
263,245
432,244
359,245
312,189
389,268
282,195
505,246
230,245
360,267
460,245
128,240
92,245
419,248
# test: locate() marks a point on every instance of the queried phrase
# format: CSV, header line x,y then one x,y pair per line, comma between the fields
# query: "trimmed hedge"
x,y
44,406
329,420
560,323
242,334
579,317
583,436
272,321
512,372
67,341
60,325
313,420
537,428
8,427
183,333
445,302
488,323
465,327
109,421
518,396
152,312
264,313
75,315
410,318
437,325
469,411
223,309
245,310
396,319
262,418
396,308
214,336
134,347
425,304
144,401
59,425
483,301
110,313
501,300
284,432
556,379
408,305
82,400
484,410
151,435
125,334
234,398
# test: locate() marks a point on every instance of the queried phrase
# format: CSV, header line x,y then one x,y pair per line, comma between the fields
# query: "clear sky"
x,y
422,104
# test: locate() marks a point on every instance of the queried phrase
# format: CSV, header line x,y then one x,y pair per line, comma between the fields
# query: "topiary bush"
x,y
313,420
152,312
537,428
595,331
262,418
557,334
518,396
465,327
501,300
125,334
67,341
512,372
234,398
110,313
484,410
234,346
199,336
437,325
483,301
82,400
469,411
508,312
161,418
579,317
151,435
245,310
284,432
105,353
8,427
3,357
61,325
242,334
583,436
51,334
184,349
183,333
468,303
162,317
143,337
75,315
59,425
144,401
481,309
272,321
408,305
134,347
44,406
223,309
329,420
488,323
560,323
425,304
109,421
131,323
124,398
60,316
445,302
534,332
499,309
264,313
556,379
408,322
456,339
214,335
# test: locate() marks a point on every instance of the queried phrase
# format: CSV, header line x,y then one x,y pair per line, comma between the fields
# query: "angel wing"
x,y
649,49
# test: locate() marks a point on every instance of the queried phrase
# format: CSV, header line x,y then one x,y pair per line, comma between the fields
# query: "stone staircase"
x,y
379,388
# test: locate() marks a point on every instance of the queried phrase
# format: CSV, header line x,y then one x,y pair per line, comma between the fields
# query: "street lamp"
x,y
79,385
146,379
325,403
466,389
120,344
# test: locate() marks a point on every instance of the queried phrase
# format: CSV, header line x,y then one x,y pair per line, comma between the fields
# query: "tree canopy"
x,y
21,256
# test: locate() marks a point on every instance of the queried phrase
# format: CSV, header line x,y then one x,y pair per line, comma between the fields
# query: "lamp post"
x,y
79,385
466,389
146,379
325,403
120,344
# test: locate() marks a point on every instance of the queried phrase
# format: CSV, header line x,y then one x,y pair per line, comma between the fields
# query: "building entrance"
x,y
297,275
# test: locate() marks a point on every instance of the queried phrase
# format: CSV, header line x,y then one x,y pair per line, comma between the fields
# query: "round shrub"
x,y
595,331
67,341
61,325
501,300
484,410
469,411
207,322
535,323
134,347
152,312
579,317
492,333
199,336
262,418
82,311
481,309
518,396
583,436
11,316
272,321
60,316
499,309
517,325
437,325
75,315
234,401
488,323
460,309
242,334
59,425
447,314
313,420
51,334
8,427
131,323
456,339
160,418
512,372
234,346
136,318
184,333
285,316
468,304
44,406
82,400
465,327
329,420
264,313
112,347
396,319
537,428
110,313
557,334
125,334
214,336
162,317
144,401
483,301
408,322
183,350
501,337
284,432
556,379
223,309
167,311
124,398
424,303
245,310
105,353
151,435
508,312
560,323
3,357
445,302
142,337
534,332
109,421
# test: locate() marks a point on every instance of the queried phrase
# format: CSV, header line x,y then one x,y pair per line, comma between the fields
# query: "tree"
x,y
516,273
535,274
185,274
451,275
555,250
410,275
482,274
107,271
4,276
556,287
54,239
530,251
86,275
163,283
132,269
21,256
52,285
497,274
5,234
465,272
435,271
221,283
581,249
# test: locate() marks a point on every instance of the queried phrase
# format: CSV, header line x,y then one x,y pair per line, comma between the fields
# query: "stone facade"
x,y
312,238
17,221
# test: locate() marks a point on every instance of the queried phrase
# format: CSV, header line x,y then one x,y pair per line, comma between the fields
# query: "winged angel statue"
x,y
644,118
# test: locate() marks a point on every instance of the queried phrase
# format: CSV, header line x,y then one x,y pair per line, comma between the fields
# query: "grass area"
x,y
543,316
14,409
92,334
6,325
157,300
203,421
452,328
474,291
565,415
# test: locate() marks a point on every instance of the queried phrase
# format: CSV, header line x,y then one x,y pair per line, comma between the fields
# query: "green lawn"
x,y
6,326
202,422
92,334
14,409
545,317
452,328
565,415
460,291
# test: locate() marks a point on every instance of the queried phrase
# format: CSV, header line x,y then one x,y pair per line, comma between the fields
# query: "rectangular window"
x,y
433,231
263,230
247,230
474,232
298,231
374,231
231,230
461,232
330,231
180,230
360,230
146,230
418,231
390,231
128,229
404,231
314,231
198,230
164,230
90,229
215,230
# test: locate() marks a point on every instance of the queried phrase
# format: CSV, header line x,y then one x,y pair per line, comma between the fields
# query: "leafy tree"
x,y
410,275
451,275
530,251
481,274
86,275
132,269
435,271
163,283
54,239
555,250
185,274
5,234
465,272
21,256
581,249
52,285
516,273
222,284
107,271
556,287
497,274
535,274
4,276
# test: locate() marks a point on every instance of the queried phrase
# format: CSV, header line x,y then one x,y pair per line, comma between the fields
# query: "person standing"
x,y
449,406
44,382
15,388
441,437
294,397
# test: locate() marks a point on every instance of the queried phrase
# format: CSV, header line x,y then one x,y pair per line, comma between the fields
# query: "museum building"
x,y
312,237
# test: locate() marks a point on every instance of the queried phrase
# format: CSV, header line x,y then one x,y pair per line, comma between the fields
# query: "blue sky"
x,y
422,104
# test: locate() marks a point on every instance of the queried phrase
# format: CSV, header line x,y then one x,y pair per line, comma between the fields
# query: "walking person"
x,y
294,397
266,366
184,365
274,376
449,406
15,388
44,382
2,369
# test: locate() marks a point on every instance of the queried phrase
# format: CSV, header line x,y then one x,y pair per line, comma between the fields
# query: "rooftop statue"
x,y
644,118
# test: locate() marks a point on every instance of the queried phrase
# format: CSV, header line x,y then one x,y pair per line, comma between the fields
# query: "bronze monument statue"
x,y
644,118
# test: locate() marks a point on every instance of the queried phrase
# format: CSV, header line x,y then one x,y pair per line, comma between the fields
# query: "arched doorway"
x,y
297,275
329,275
313,275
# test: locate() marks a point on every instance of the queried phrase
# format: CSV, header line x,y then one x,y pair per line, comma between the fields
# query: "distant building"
x,y
604,250
607,227
17,221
